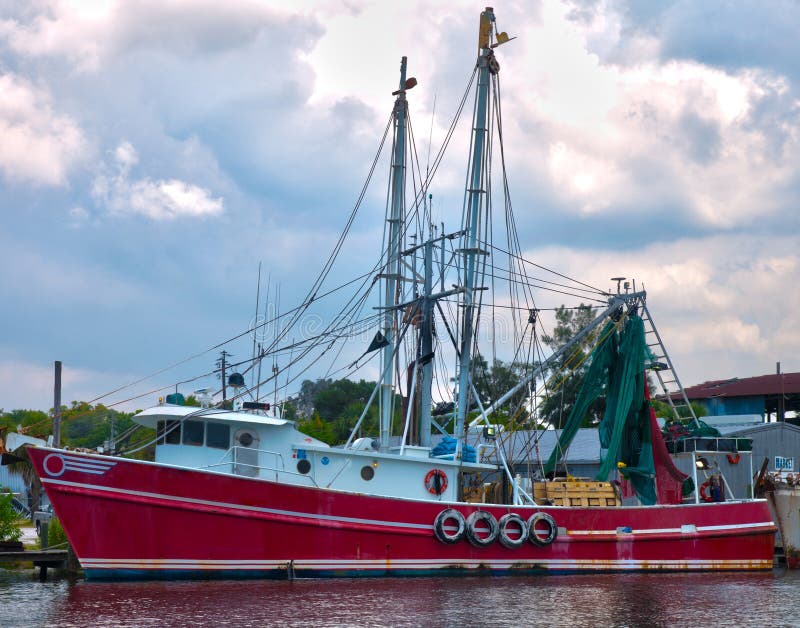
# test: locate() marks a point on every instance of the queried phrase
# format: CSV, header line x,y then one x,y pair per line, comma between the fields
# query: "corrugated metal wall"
x,y
776,439
14,482
769,441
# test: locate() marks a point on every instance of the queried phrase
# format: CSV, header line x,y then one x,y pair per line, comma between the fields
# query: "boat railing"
x,y
231,457
699,444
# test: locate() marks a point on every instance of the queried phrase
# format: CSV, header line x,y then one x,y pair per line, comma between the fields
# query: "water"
x,y
590,600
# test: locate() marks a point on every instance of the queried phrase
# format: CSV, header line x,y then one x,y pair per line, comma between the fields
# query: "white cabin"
x,y
261,445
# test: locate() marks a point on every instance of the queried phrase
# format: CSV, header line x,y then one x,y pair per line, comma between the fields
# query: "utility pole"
x,y
221,363
57,406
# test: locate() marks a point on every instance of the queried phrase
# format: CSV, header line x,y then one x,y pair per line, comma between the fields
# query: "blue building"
x,y
770,396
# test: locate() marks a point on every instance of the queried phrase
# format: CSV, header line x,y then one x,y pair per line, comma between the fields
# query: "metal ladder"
x,y
665,372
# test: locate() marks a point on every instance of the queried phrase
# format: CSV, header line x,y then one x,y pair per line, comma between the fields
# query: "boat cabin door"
x,y
245,452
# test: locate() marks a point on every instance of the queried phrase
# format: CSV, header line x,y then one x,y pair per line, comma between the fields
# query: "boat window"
x,y
193,432
168,432
218,436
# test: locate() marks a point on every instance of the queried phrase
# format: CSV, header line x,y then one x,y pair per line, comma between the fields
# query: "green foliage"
x,y
566,380
317,428
493,382
84,425
289,410
39,421
55,533
9,528
338,404
308,393
664,410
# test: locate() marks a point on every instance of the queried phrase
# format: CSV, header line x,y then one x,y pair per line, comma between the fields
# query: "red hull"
x,y
129,518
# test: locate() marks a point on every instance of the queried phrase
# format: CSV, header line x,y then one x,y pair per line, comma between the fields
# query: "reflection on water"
x,y
589,600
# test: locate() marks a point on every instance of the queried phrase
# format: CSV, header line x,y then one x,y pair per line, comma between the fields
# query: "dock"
x,y
43,559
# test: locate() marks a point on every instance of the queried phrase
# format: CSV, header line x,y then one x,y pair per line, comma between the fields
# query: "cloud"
x,y
90,35
717,301
30,384
249,128
37,145
654,135
158,200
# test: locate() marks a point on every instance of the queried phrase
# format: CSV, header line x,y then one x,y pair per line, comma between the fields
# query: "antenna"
x,y
619,281
255,318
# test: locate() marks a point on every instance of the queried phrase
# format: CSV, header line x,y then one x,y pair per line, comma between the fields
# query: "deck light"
x,y
702,463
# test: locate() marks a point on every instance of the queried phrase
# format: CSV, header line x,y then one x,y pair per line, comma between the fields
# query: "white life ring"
x,y
443,526
510,520
533,534
486,518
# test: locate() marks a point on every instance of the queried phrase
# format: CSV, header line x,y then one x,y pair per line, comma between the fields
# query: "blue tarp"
x,y
447,446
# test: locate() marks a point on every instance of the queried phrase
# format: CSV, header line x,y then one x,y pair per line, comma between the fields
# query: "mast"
x,y
394,241
426,350
475,204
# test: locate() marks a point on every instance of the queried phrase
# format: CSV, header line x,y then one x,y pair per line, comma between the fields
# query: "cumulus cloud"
x,y
716,300
620,130
37,145
89,35
624,136
156,199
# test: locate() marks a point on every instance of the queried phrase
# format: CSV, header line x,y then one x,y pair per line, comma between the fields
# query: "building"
x,y
528,450
770,396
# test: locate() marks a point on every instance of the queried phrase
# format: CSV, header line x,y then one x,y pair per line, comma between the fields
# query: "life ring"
x,y
703,487
436,482
443,526
510,520
486,518
535,536
734,459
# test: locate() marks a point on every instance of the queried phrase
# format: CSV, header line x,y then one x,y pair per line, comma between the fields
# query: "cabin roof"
x,y
163,412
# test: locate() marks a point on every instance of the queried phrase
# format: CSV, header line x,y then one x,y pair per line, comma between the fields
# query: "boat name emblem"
x,y
56,465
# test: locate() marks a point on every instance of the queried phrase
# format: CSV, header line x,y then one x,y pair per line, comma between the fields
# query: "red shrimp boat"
x,y
242,493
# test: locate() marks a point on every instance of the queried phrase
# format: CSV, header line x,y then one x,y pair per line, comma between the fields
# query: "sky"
x,y
152,154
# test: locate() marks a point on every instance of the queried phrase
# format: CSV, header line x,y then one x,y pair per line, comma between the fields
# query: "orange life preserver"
x,y
703,487
734,459
436,482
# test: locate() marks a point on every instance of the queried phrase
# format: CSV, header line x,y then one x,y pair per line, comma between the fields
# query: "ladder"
x,y
665,372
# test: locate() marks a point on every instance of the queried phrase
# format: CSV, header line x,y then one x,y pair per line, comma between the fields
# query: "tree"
x,y
308,392
664,410
339,403
317,428
566,379
9,530
493,382
84,425
33,422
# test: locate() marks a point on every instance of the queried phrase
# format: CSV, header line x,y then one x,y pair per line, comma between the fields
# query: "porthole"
x,y
367,472
303,466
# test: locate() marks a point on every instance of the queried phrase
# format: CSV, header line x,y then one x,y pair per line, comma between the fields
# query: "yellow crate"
x,y
576,493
